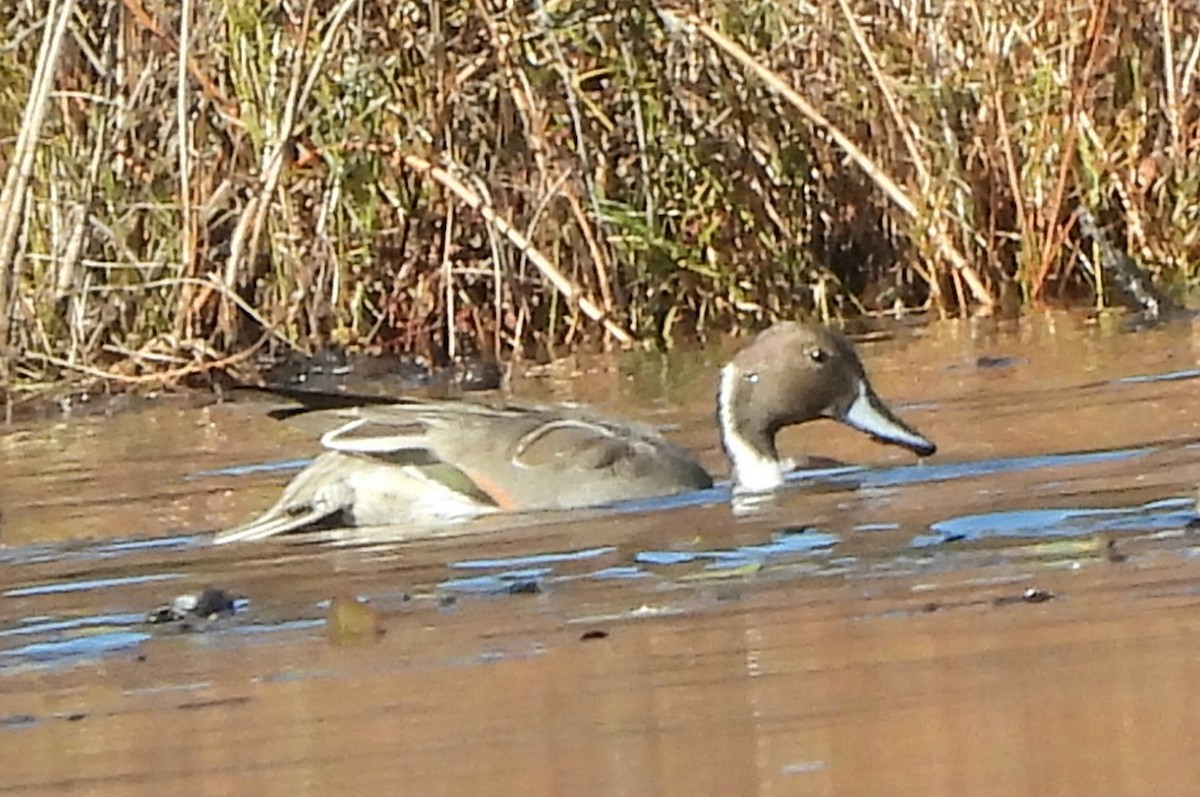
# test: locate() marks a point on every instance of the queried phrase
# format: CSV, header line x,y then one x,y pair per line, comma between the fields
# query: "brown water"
x,y
866,633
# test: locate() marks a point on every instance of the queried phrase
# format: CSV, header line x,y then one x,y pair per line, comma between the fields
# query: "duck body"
x,y
447,460
432,462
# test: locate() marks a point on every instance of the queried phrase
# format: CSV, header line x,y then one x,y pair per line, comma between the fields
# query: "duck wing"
x,y
521,457
416,460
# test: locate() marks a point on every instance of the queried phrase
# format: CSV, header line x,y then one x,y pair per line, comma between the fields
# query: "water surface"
x,y
1018,614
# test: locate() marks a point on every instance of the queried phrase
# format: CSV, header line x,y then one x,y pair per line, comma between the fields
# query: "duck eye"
x,y
819,355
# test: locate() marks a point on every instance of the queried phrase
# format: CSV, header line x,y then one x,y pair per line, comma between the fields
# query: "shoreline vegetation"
x,y
188,186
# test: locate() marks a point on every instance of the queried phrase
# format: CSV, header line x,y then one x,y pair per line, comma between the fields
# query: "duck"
x,y
432,462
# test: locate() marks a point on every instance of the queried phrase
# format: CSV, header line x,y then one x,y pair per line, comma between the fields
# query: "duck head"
x,y
790,374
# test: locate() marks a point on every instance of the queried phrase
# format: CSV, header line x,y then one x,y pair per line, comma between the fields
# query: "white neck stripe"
x,y
753,471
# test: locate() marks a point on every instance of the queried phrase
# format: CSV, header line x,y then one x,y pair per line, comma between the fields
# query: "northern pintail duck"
x,y
416,461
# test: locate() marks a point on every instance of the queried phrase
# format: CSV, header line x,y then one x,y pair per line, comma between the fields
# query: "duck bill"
x,y
869,414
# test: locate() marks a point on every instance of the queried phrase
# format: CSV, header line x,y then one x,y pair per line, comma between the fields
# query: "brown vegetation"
x,y
186,180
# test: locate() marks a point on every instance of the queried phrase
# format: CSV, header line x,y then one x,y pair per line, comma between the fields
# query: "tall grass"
x,y
188,181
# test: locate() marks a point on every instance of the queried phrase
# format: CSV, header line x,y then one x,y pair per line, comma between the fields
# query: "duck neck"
x,y
750,446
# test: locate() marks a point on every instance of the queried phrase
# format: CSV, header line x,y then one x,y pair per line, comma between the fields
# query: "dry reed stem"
x,y
695,194
1012,171
569,290
210,90
69,262
20,168
249,230
207,86
889,97
936,232
599,262
1168,68
535,125
187,244
1189,70
1056,233
1135,227
448,284
161,378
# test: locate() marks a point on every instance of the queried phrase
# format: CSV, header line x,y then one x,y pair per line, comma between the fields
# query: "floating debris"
x,y
1065,549
511,582
18,721
1030,595
991,361
1111,552
596,633
195,705
352,622
737,571
1035,595
195,612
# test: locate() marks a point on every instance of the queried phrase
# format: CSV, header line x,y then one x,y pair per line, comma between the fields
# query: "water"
x,y
1016,615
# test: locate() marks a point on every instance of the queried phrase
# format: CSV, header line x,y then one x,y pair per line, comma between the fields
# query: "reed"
x,y
188,183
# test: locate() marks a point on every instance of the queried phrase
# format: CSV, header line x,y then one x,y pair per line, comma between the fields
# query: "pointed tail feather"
x,y
277,520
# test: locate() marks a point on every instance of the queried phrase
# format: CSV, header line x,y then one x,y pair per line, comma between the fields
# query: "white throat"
x,y
753,470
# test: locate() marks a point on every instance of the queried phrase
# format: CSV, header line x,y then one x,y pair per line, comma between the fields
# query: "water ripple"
x,y
1169,513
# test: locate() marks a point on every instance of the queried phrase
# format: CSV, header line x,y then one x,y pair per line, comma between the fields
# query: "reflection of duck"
x,y
423,461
